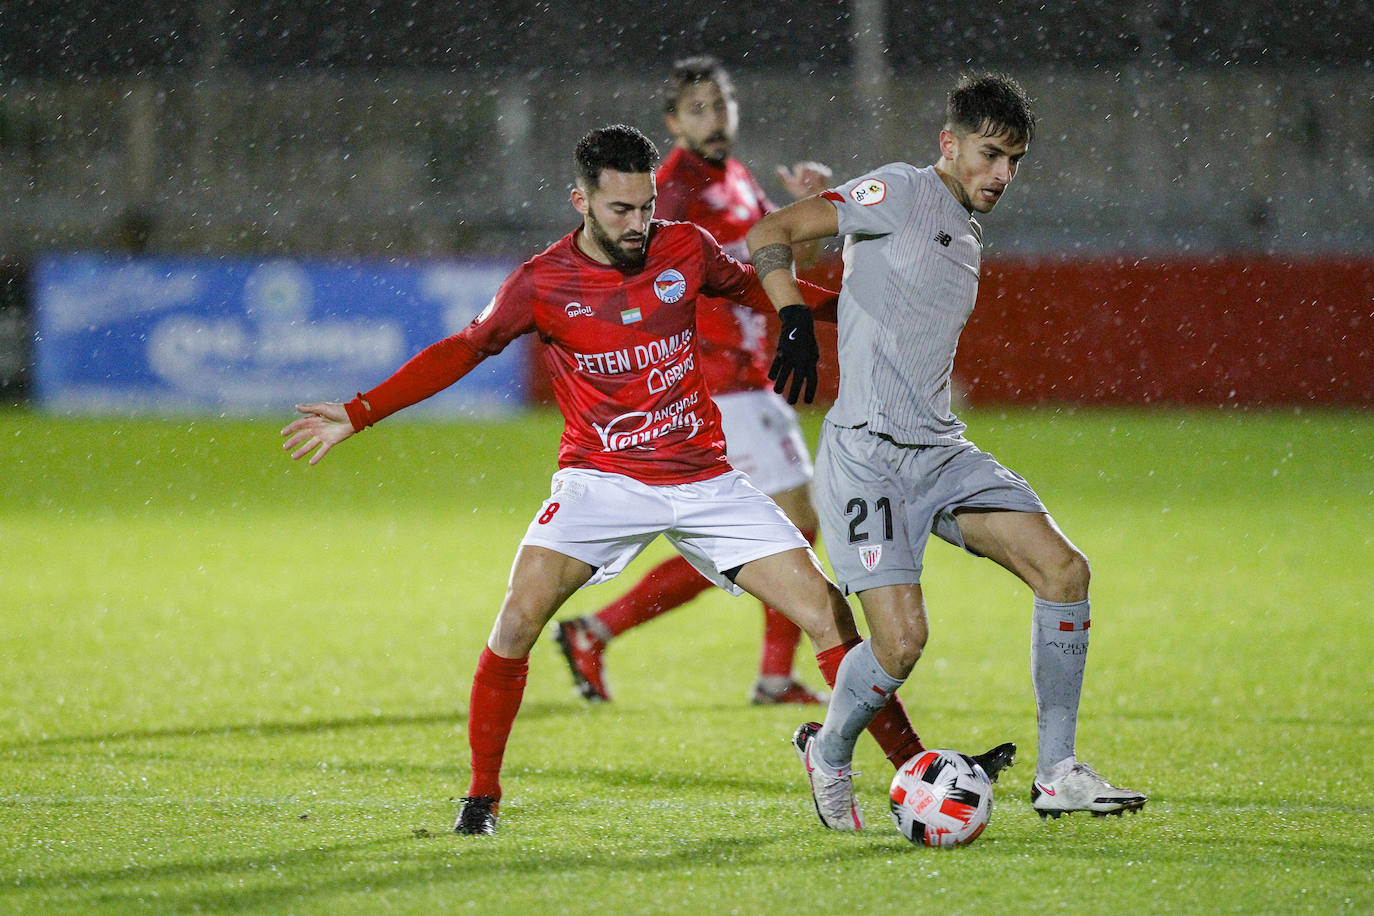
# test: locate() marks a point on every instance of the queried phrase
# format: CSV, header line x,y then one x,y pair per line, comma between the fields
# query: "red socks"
x,y
497,689
674,582
891,727
667,585
780,640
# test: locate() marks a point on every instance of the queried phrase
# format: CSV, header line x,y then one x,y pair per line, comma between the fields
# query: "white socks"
x,y
1059,652
862,687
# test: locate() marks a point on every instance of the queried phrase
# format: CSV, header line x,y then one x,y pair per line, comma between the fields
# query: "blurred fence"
x,y
419,163
1275,167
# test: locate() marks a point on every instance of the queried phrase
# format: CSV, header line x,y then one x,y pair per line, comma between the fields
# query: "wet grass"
x,y
231,683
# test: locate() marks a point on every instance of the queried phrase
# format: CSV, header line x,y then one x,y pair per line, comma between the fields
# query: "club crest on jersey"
x,y
868,192
871,556
670,286
577,308
630,316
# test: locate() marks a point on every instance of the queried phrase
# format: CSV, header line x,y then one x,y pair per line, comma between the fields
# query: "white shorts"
x,y
763,438
605,520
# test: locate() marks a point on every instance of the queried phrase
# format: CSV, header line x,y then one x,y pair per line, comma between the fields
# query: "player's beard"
x,y
622,257
715,154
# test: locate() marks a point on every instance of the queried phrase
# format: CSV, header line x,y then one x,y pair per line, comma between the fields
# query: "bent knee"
x,y
910,647
899,651
1067,579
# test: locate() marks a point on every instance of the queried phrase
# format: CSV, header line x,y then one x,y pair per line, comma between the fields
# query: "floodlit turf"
x,y
235,683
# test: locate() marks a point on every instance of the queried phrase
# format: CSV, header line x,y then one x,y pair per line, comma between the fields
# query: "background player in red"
x,y
642,454
702,182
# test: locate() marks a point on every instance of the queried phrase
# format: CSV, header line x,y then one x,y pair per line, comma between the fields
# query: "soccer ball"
x,y
941,798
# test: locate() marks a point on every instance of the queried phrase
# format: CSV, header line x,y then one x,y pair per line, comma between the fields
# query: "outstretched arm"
x,y
327,423
771,239
770,248
324,426
802,180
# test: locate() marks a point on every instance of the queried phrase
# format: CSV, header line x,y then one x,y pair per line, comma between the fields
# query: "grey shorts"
x,y
879,502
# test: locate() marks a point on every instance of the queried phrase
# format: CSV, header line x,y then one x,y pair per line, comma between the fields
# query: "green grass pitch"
x,y
233,683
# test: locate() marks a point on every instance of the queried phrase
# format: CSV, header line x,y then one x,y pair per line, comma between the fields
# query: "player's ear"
x,y
949,144
579,200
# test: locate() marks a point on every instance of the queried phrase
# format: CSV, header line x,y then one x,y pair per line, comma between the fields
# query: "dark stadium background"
x,y
1195,223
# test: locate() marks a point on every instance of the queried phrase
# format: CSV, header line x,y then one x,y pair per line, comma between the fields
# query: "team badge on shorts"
x,y
870,557
670,286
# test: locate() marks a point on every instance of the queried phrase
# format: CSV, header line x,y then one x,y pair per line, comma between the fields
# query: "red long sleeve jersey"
x,y
621,349
726,201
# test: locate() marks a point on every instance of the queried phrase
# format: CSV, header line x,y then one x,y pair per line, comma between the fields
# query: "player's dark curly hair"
x,y
619,147
990,104
692,71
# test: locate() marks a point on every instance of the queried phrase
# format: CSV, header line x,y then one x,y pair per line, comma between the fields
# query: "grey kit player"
x,y
893,464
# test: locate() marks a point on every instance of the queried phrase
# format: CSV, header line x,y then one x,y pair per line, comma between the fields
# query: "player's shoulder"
x,y
672,163
681,232
559,254
682,160
903,169
735,168
557,265
680,171
893,173
681,243
679,180
886,184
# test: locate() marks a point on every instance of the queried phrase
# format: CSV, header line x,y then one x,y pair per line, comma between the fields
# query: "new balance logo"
x,y
944,238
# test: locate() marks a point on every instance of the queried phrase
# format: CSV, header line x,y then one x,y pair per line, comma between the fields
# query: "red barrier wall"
x,y
1215,331
1244,331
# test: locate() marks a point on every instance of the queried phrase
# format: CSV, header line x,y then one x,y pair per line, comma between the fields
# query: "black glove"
x,y
797,354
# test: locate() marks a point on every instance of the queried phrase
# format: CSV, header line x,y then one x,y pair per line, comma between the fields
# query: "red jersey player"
x,y
642,453
702,182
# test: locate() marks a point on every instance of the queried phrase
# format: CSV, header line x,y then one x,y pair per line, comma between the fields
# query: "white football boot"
x,y
833,794
1081,789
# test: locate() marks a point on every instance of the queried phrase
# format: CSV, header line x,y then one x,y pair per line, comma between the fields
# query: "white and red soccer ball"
x,y
941,798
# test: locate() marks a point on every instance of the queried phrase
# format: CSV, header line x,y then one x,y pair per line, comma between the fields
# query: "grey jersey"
x,y
911,259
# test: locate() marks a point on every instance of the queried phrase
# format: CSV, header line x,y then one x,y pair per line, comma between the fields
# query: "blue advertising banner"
x,y
249,337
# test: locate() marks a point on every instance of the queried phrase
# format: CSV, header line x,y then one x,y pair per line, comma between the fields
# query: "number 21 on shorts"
x,y
857,510
859,526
